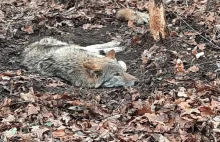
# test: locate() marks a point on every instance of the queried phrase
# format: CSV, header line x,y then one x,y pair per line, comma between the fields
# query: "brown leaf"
x,y
19,72
193,69
59,133
10,74
28,29
211,17
28,97
143,110
179,66
135,40
32,109
131,23
184,105
206,111
190,33
6,102
147,54
201,46
194,51
160,138
38,131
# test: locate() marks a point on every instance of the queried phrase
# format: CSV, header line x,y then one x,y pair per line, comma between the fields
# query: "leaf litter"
x,y
176,99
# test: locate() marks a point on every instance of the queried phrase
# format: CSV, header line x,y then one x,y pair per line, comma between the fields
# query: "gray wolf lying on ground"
x,y
81,66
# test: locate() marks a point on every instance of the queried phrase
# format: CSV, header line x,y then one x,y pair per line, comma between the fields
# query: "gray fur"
x,y
55,58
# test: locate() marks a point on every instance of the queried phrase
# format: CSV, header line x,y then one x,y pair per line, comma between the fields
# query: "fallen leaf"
x,y
9,74
10,118
59,133
198,55
201,46
78,103
38,131
32,109
160,138
147,54
6,78
143,110
135,40
193,69
10,133
131,24
28,97
6,102
28,29
179,66
90,26
206,111
211,17
182,92
194,51
184,105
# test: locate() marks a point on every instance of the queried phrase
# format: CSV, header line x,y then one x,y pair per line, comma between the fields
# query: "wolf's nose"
x,y
136,82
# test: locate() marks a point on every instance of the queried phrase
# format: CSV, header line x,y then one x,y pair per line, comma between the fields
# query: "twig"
x,y
116,3
122,101
185,66
214,45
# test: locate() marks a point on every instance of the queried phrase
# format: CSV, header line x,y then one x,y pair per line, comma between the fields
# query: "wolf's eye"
x,y
98,73
117,74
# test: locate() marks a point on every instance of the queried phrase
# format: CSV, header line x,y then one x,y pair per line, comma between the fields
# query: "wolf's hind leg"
x,y
106,47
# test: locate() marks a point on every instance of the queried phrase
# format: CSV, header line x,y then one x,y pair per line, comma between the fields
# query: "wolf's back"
x,y
61,60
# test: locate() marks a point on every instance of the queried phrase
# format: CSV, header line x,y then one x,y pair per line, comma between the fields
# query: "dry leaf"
x,y
143,110
198,55
206,111
90,26
135,40
131,24
182,92
6,102
59,133
38,131
28,97
28,29
194,51
9,74
32,109
193,69
201,46
179,66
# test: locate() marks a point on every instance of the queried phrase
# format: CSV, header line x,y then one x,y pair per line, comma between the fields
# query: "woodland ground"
x,y
165,105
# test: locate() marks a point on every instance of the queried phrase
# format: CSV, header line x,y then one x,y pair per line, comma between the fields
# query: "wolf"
x,y
81,66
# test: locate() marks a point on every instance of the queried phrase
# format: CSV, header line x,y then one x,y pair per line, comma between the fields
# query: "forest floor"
x,y
176,98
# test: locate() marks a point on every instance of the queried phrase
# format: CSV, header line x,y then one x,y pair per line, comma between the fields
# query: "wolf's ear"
x,y
92,66
110,54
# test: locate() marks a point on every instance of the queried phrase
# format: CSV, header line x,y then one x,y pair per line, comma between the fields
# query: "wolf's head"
x,y
108,72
